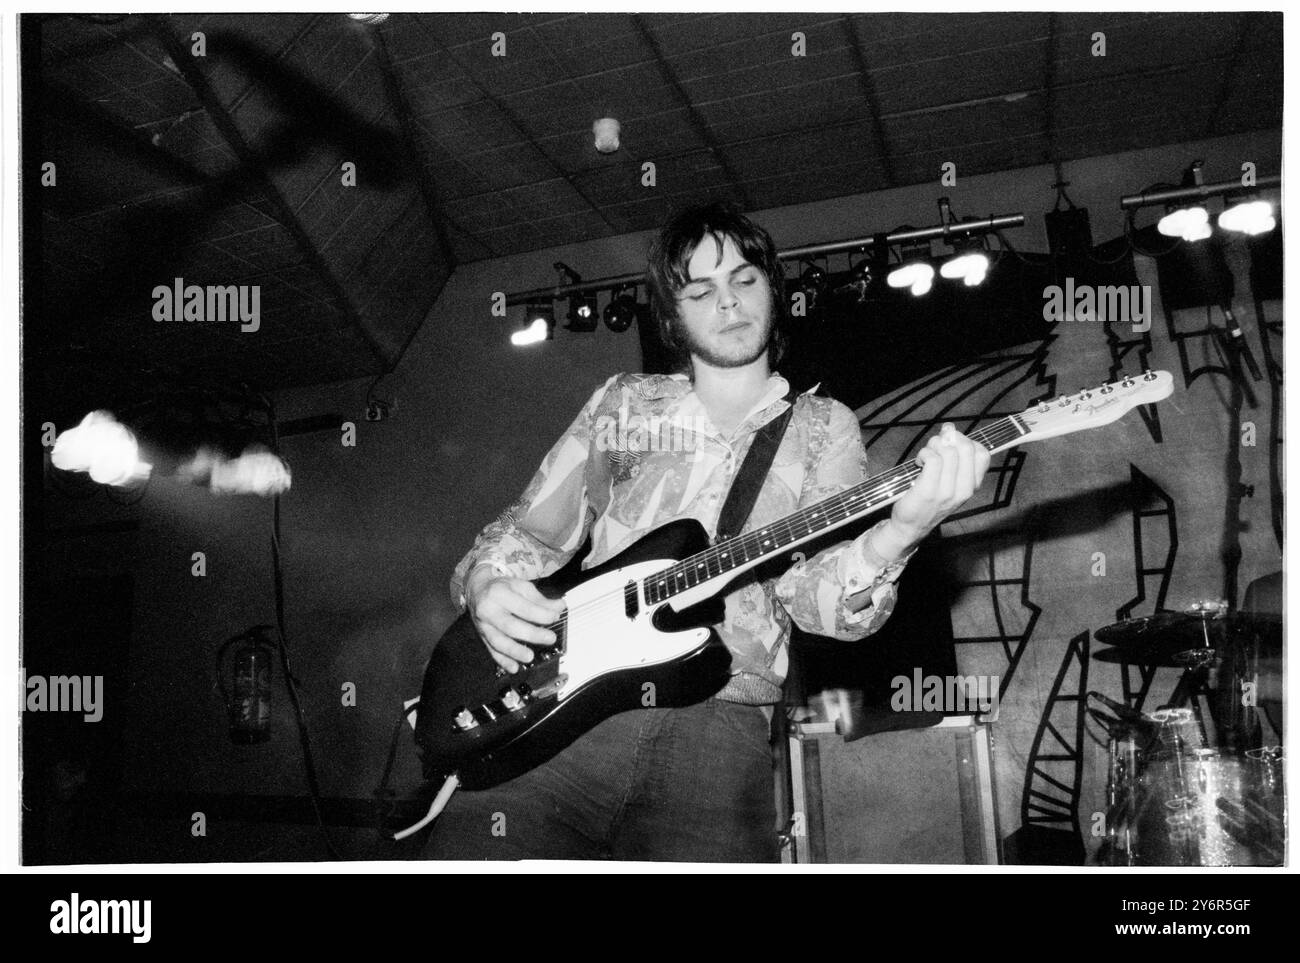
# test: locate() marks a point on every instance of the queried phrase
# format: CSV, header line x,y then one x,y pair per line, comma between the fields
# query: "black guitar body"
x,y
509,735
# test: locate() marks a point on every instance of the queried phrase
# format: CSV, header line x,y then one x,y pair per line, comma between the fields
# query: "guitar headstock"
x,y
1094,407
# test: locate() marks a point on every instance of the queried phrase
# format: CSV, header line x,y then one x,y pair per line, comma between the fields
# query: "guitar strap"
x,y
753,470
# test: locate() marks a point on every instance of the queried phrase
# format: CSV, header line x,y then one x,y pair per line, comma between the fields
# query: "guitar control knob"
x,y
512,699
465,720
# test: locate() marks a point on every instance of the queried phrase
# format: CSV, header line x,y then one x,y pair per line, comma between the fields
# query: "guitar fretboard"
x,y
851,503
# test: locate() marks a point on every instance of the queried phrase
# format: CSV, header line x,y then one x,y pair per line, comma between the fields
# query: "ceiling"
x,y
227,167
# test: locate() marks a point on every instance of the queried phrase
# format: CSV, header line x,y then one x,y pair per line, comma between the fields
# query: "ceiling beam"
x,y
1230,73
868,88
517,124
225,124
1049,87
702,130
402,110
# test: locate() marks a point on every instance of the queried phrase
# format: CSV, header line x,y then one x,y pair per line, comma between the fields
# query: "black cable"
x,y
385,798
304,736
1130,225
1126,252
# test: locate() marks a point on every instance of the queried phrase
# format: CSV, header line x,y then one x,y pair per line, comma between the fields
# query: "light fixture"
x,y
971,268
1247,216
812,283
867,276
621,310
373,19
605,131
1186,216
103,448
969,262
1188,223
915,272
917,276
584,312
539,324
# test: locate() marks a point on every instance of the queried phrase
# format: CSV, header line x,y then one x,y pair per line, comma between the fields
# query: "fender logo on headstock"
x,y
1091,407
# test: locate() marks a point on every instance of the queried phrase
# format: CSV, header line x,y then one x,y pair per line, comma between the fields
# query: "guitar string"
x,y
885,487
847,503
880,488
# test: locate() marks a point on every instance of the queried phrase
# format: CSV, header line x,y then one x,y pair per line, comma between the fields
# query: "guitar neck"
x,y
733,555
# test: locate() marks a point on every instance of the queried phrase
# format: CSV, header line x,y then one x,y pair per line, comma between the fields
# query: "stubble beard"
x,y
738,359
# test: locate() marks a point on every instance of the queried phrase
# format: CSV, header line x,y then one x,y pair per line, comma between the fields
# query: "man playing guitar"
x,y
691,783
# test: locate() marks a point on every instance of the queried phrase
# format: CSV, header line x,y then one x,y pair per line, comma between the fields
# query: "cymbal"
x,y
1173,653
1184,630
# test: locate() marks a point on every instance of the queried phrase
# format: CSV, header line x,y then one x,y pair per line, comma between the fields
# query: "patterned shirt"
x,y
643,452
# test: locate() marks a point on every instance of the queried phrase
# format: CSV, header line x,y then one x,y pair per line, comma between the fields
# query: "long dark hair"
x,y
670,257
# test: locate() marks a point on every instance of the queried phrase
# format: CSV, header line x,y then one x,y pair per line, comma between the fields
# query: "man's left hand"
x,y
952,467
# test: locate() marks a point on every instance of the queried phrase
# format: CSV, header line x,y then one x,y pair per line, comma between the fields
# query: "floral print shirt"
x,y
643,452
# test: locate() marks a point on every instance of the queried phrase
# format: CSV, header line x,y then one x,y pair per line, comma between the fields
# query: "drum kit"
x,y
1183,789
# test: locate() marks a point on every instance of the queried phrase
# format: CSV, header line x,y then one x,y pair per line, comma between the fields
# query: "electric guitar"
x,y
642,622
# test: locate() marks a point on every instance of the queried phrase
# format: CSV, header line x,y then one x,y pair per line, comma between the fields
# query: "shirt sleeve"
x,y
846,591
540,532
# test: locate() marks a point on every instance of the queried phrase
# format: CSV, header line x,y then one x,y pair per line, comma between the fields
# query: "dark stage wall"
x,y
371,532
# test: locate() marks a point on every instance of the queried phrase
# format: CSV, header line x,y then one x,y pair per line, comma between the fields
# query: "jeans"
x,y
689,785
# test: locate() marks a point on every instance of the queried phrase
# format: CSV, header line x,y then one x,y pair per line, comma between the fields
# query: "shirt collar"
x,y
678,386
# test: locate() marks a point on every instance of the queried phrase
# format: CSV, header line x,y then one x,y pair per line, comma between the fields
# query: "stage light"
x,y
621,311
1189,223
103,448
971,267
369,18
1248,217
539,324
918,276
812,283
255,471
584,313
535,332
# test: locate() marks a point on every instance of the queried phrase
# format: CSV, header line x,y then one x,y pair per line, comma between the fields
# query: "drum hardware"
x,y
1176,796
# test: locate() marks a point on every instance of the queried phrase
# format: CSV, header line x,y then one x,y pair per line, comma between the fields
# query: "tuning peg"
x,y
1085,394
1149,375
1106,389
1063,402
1127,382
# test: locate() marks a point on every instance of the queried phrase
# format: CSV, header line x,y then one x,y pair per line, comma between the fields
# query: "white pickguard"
x,y
600,638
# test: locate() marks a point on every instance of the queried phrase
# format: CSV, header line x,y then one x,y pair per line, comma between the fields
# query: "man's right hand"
x,y
508,612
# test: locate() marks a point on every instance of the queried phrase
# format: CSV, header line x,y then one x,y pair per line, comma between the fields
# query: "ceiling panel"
x,y
232,170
